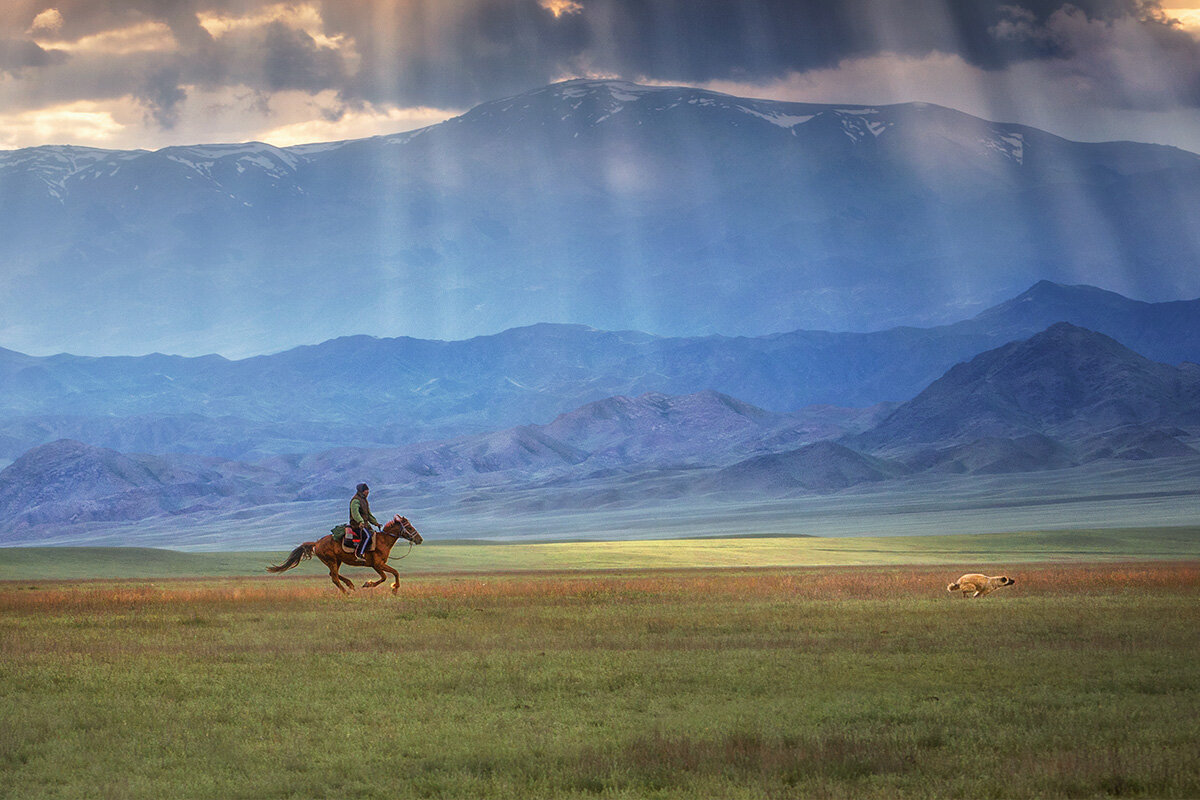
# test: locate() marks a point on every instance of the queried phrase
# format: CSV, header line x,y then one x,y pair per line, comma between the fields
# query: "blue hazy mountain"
x,y
368,392
676,211
68,482
820,466
1065,382
1062,398
1167,332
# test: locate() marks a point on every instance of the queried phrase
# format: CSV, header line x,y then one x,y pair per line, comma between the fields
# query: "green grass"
x,y
436,557
1080,681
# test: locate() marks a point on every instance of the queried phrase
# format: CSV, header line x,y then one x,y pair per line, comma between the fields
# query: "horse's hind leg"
x,y
337,579
342,578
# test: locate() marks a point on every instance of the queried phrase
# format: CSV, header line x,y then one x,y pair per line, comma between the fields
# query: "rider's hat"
x,y
362,487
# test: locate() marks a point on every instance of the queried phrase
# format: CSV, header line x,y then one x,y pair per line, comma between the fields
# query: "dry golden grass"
x,y
816,583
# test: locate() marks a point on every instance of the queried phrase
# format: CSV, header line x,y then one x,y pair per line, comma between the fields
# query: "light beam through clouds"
x,y
82,122
305,17
1189,18
1089,69
333,123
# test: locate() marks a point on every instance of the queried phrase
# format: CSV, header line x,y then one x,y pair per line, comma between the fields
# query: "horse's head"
x,y
401,527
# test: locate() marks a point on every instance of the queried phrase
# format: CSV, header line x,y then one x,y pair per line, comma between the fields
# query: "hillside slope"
x,y
667,209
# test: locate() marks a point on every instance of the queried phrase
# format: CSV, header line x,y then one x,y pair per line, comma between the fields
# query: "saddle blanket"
x,y
344,535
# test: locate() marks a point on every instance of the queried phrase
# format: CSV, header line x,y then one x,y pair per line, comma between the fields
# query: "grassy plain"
x,y
1083,680
1120,544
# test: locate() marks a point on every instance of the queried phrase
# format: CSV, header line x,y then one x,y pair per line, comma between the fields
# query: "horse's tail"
x,y
299,554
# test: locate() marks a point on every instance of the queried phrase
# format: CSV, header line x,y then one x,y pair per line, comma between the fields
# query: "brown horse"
x,y
332,553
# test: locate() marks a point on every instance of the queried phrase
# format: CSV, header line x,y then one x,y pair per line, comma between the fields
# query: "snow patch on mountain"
x,y
857,123
1008,144
275,162
54,165
778,117
64,158
621,91
59,166
306,150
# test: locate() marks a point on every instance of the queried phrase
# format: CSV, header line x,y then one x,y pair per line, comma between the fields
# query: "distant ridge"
x,y
301,400
1066,381
68,482
1167,332
821,467
1062,398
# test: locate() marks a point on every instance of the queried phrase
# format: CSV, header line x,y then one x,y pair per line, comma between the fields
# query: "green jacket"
x,y
360,512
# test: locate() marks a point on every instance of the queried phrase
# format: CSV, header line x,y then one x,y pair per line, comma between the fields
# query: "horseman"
x,y
361,520
330,549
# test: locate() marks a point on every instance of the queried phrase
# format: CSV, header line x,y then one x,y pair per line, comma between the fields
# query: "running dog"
x,y
979,584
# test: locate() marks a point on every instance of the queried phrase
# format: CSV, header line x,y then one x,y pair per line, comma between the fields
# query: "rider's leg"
x,y
364,544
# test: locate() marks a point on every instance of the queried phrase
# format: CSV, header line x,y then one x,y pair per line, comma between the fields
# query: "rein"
x,y
408,539
406,552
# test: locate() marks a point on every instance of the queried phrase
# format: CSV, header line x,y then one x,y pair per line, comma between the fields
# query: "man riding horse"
x,y
361,520
369,554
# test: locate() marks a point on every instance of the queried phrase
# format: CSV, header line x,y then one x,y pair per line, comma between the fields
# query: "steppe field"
x,y
753,668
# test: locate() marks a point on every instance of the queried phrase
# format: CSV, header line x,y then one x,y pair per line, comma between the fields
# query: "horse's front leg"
x,y
396,583
375,565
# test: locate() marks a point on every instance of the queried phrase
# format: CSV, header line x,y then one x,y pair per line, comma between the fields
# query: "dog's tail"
x,y
952,587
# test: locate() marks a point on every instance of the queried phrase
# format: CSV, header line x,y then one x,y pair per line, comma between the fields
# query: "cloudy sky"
x,y
152,73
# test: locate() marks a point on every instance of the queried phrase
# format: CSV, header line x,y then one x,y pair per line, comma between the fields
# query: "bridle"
x,y
407,531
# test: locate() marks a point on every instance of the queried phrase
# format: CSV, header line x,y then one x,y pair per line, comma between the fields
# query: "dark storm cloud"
x,y
161,95
500,47
291,59
19,54
697,42
455,54
482,49
87,17
1123,61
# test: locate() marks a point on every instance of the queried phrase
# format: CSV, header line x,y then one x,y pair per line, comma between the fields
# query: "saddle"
x,y
344,535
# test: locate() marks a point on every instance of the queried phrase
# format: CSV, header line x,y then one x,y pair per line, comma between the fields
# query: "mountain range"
x,y
1062,398
368,392
1065,382
623,207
